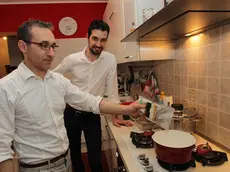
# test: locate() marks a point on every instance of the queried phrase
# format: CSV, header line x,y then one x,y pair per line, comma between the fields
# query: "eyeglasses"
x,y
44,45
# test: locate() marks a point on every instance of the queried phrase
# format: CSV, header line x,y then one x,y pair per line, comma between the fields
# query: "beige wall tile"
x,y
212,131
214,35
201,127
213,68
192,82
184,92
224,86
165,68
202,112
171,90
212,116
176,99
213,100
224,120
177,80
202,83
213,85
214,52
191,54
225,51
225,33
171,67
224,136
171,79
202,97
203,53
184,68
177,67
224,104
184,80
192,68
165,78
225,69
202,68
177,91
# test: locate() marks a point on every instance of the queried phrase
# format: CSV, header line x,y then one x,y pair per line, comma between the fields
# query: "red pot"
x,y
174,146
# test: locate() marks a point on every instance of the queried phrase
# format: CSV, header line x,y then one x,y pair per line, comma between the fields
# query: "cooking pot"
x,y
185,120
174,146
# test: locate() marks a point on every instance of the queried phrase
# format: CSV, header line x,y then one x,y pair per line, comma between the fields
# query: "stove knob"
x,y
141,157
146,162
149,168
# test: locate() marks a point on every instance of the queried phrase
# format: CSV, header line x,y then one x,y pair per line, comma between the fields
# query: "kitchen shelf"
x,y
182,17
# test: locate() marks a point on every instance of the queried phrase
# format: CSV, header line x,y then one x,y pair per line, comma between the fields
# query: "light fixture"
x,y
188,34
5,38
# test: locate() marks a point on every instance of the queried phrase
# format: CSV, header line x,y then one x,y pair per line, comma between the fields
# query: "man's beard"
x,y
97,53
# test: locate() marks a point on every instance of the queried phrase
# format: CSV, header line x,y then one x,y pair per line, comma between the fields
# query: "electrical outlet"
x,y
192,94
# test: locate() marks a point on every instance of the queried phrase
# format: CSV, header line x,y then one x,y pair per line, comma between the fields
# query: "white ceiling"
x,y
46,1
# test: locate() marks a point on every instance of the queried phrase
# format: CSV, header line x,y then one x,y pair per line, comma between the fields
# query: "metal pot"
x,y
173,146
185,120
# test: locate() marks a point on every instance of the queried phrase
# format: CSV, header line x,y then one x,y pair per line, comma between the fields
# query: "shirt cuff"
x,y
96,105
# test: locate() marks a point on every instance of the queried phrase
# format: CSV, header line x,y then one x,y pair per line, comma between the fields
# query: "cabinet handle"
x,y
107,129
110,18
127,57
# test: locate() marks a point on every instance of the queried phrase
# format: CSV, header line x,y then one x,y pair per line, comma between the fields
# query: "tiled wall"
x,y
200,77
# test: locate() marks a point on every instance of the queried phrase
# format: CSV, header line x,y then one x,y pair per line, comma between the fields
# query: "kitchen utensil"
x,y
184,119
203,149
173,146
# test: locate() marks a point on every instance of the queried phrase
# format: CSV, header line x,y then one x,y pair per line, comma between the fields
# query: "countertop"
x,y
129,152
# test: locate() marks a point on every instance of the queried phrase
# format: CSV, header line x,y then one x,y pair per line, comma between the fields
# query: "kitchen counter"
x,y
129,152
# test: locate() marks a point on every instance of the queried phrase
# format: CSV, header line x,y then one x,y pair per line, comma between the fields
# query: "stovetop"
x,y
148,162
142,140
212,158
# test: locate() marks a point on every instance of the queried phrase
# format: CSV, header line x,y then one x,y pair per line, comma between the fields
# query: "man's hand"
x,y
134,109
118,122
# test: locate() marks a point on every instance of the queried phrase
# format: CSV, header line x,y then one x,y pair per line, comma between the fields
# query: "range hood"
x,y
180,18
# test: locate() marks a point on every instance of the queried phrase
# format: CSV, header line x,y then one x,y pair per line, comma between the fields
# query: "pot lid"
x,y
174,138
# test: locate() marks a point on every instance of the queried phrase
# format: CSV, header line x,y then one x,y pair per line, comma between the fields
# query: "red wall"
x,y
11,16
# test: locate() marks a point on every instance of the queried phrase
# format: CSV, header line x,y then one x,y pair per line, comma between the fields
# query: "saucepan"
x,y
174,146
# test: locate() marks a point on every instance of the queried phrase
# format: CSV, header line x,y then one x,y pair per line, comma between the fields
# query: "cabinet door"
x,y
114,16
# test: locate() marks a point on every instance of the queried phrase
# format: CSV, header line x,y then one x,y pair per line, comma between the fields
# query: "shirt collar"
x,y
100,57
26,73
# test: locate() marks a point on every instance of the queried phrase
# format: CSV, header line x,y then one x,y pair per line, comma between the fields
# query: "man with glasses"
x,y
32,102
94,71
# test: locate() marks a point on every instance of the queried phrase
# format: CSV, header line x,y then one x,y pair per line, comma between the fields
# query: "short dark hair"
x,y
98,24
24,31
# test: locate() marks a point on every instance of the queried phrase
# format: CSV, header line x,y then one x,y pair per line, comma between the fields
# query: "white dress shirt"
x,y
97,78
31,114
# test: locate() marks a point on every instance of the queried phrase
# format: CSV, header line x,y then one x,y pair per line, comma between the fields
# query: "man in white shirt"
x,y
94,71
32,102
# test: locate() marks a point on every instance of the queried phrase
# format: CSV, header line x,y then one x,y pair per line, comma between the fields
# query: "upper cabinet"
x,y
181,18
115,15
123,16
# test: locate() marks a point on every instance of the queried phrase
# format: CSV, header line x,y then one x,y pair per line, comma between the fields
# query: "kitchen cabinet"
x,y
115,15
121,15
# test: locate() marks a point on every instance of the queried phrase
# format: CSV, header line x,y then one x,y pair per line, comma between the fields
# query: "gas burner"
x,y
176,167
212,158
142,140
